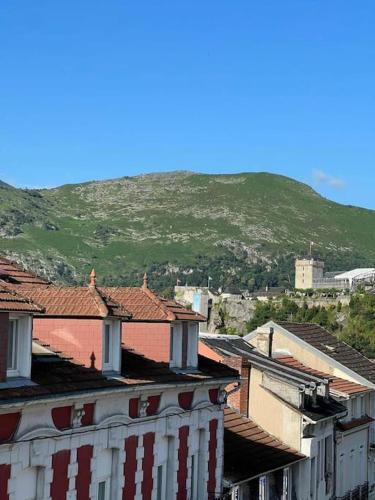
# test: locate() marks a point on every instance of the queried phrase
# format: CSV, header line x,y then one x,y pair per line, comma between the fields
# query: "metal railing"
x,y
359,493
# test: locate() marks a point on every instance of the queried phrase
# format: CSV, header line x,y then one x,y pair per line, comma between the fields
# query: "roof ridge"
x,y
327,331
99,301
155,298
106,297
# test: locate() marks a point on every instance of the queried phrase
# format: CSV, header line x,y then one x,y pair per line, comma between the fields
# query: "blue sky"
x,y
99,89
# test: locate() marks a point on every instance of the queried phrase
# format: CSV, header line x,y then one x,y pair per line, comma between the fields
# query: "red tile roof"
x,y
146,305
14,273
336,384
356,422
10,301
249,451
73,301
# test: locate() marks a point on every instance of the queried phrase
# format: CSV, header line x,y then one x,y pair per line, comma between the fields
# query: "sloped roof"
x,y
146,305
14,273
327,343
137,369
345,387
227,345
53,374
10,301
73,301
249,451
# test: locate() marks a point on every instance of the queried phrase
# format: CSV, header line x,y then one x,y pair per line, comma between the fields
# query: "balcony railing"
x,y
359,493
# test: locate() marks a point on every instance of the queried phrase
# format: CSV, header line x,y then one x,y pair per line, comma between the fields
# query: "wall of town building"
x,y
170,452
151,339
77,338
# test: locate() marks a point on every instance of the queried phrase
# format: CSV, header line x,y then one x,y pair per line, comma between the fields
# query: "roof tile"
x,y
250,451
330,345
146,305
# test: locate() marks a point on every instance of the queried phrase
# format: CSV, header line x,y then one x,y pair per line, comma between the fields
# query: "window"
x,y
13,347
107,343
101,490
312,478
263,493
105,470
171,465
111,346
286,481
193,481
159,483
328,465
202,463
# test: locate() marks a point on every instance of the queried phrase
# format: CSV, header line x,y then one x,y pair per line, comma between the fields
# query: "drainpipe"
x,y
270,342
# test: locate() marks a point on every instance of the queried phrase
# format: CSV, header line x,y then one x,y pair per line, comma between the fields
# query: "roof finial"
x,y
93,278
145,281
92,360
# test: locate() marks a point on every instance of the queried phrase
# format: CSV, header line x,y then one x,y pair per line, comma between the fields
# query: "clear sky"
x,y
98,89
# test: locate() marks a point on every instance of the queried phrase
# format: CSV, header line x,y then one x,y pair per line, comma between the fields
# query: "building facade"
x,y
310,348
74,427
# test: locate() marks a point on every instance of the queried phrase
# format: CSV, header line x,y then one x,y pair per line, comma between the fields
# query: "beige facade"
x,y
287,425
308,271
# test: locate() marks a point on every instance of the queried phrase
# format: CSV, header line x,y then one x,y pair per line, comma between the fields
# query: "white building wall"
x,y
31,457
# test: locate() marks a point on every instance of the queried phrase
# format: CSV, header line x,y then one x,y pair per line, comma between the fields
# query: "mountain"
x,y
242,229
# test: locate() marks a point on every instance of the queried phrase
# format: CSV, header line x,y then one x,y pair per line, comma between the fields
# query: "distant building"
x,y
308,272
310,275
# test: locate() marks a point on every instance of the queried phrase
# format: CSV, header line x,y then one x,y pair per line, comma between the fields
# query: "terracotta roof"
x,y
10,301
356,422
146,305
12,272
73,301
330,345
137,369
249,451
336,384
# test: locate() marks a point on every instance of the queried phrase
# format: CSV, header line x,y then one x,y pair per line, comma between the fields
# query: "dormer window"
x,y
13,348
184,345
111,346
19,346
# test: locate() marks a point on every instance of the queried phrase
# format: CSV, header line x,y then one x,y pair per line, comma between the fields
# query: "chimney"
x,y
93,279
264,340
145,281
270,342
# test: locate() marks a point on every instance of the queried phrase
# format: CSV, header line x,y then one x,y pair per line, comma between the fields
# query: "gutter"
x,y
148,388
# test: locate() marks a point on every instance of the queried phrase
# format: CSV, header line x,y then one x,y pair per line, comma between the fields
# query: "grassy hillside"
x,y
237,227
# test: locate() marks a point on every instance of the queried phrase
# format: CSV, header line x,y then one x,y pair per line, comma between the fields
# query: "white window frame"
x,y
176,345
192,354
113,327
14,351
104,473
22,367
107,487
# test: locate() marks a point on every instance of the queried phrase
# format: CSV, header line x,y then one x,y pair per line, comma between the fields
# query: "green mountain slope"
x,y
179,224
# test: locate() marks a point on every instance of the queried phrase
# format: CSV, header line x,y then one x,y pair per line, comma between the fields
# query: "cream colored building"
x,y
313,349
308,272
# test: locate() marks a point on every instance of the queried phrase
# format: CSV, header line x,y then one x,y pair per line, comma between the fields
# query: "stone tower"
x,y
308,272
